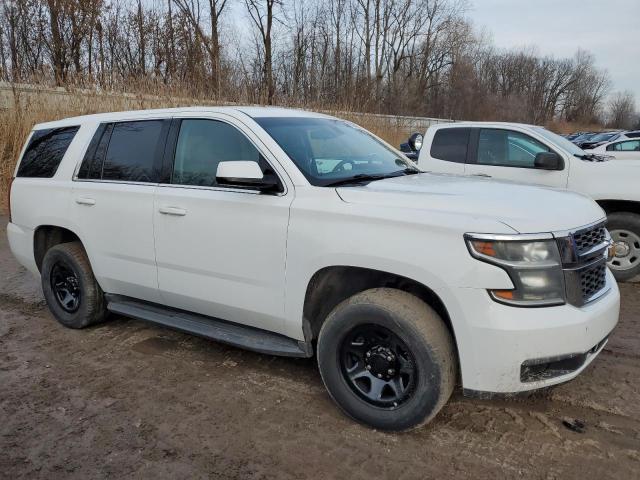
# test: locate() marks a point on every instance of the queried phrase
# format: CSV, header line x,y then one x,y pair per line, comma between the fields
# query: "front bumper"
x,y
500,346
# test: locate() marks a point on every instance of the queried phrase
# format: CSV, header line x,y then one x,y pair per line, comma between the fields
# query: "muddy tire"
x,y
387,359
625,231
70,289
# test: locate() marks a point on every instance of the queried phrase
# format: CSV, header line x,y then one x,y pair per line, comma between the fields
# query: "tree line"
x,y
410,57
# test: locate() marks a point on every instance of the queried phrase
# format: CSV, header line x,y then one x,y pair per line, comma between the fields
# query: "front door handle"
x,y
484,175
85,201
180,212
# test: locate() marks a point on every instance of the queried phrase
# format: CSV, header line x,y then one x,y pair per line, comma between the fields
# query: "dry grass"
x,y
566,127
20,109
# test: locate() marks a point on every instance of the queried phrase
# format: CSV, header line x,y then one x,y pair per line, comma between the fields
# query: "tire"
x,y
625,229
67,266
419,342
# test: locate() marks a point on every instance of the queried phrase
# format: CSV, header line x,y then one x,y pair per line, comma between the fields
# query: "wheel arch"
x,y
613,206
333,284
48,236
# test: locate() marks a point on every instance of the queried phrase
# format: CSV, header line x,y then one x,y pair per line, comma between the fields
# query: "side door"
x,y
221,251
510,155
112,205
625,150
448,150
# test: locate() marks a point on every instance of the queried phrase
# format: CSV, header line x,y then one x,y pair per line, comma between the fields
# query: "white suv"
x,y
289,232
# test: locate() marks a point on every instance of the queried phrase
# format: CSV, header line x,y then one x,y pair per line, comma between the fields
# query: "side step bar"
x,y
242,336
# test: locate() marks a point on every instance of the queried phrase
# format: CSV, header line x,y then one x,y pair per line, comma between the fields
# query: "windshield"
x,y
584,137
331,151
602,137
562,142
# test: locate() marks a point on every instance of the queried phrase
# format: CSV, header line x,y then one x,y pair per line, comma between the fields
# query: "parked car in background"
x,y
621,149
285,231
573,136
531,154
599,139
583,137
630,134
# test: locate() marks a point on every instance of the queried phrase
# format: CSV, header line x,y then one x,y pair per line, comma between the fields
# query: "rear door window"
x,y
126,151
45,151
451,144
132,151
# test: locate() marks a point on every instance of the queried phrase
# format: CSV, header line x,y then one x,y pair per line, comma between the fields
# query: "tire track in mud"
x,y
25,307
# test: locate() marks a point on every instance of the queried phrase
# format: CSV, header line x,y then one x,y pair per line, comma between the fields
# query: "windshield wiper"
x,y
591,157
364,177
360,178
410,171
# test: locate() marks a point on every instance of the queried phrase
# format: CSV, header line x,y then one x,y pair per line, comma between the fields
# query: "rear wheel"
x,y
387,359
624,228
70,289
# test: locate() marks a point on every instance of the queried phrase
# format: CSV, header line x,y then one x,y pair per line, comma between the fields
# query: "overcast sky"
x,y
610,29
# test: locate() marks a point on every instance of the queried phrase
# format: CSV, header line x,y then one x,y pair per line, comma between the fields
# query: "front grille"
x,y
587,239
592,280
583,255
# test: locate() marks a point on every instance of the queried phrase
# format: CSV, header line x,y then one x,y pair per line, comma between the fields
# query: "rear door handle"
x,y
85,201
481,175
180,212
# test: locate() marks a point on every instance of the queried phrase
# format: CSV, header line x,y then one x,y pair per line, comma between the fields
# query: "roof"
x,y
251,111
503,124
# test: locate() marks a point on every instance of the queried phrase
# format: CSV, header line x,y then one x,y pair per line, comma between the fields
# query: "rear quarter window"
x,y
45,151
451,144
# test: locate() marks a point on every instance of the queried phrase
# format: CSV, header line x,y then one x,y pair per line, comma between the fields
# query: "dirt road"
x,y
126,399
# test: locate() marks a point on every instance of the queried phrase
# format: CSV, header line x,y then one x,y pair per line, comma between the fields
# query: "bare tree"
x,y
261,13
419,57
622,110
191,11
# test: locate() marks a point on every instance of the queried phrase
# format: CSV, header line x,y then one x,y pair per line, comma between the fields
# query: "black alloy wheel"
x,y
65,286
378,366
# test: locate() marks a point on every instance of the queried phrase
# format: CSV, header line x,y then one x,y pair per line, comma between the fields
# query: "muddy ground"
x,y
126,399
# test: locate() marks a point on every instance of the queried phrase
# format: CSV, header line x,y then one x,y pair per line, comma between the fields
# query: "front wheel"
x,y
624,228
387,359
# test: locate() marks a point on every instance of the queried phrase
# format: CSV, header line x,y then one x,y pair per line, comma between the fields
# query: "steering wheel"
x,y
340,166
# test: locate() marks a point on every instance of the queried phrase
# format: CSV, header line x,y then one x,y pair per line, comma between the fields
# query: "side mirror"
x,y
244,173
415,142
548,161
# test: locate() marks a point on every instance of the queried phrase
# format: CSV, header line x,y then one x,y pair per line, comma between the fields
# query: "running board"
x,y
242,336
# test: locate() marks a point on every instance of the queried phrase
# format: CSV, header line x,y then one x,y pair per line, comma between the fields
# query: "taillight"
x,y
9,197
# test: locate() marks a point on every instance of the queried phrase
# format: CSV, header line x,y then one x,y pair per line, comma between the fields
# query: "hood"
x,y
524,208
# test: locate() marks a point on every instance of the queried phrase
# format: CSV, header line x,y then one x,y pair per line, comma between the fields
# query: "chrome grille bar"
x,y
584,256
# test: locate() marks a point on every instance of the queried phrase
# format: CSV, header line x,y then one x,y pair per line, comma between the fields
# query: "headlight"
x,y
533,265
